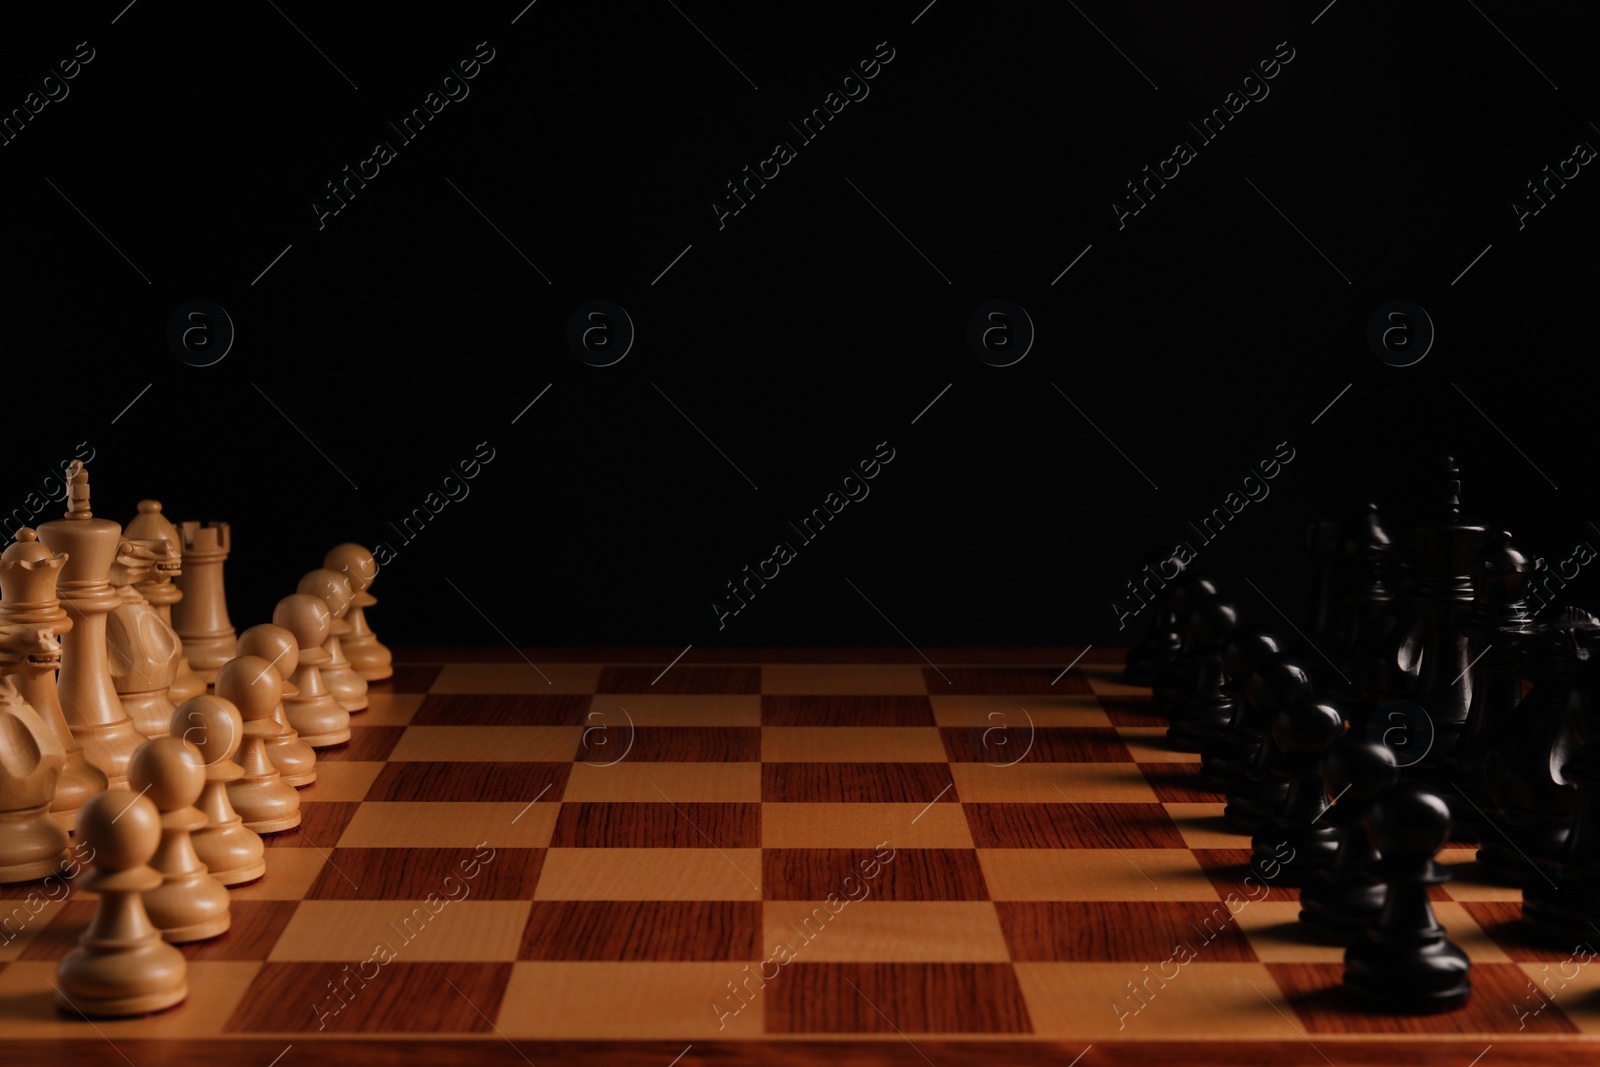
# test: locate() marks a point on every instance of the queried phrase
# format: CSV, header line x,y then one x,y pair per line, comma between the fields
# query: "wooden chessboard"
x,y
595,861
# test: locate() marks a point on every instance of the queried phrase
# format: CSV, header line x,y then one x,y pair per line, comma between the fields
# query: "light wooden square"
x,y
28,1009
291,872
450,825
888,931
1094,874
650,874
341,781
1217,1001
1149,745
1202,827
864,825
1051,783
352,930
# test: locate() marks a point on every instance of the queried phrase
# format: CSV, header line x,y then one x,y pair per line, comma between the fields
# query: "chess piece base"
x,y
1408,980
34,869
97,983
375,674
122,1007
327,740
275,826
182,935
242,875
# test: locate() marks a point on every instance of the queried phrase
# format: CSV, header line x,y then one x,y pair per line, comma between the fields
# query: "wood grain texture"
x,y
400,997
414,873
1045,744
674,744
1131,711
912,874
1317,993
682,678
870,783
321,825
1006,681
491,1051
1178,783
643,825
846,711
1072,826
1502,921
408,678
890,998
502,709
1140,933
423,781
643,930
367,743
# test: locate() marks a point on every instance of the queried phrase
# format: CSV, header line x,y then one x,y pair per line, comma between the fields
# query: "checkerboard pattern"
x,y
584,851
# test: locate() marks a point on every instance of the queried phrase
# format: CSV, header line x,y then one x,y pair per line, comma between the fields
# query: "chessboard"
x,y
863,856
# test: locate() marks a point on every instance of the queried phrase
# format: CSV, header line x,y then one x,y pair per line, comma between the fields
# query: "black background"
x,y
382,348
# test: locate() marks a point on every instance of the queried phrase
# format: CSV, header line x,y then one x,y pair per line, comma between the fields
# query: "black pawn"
x,y
1339,904
1406,964
1227,757
1299,843
1158,650
1173,686
1366,553
1533,800
1444,594
1253,801
1325,616
1209,709
1566,904
1497,628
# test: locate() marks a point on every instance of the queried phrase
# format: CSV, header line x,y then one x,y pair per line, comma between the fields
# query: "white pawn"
x,y
121,966
346,685
233,854
263,800
319,718
367,654
296,761
189,905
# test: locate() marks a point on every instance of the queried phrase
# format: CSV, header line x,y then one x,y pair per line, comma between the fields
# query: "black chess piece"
x,y
1325,614
1299,843
1276,683
1341,902
1157,651
1496,628
1173,686
1444,593
1209,708
1405,963
1565,904
1533,802
1366,552
1226,757
1386,661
